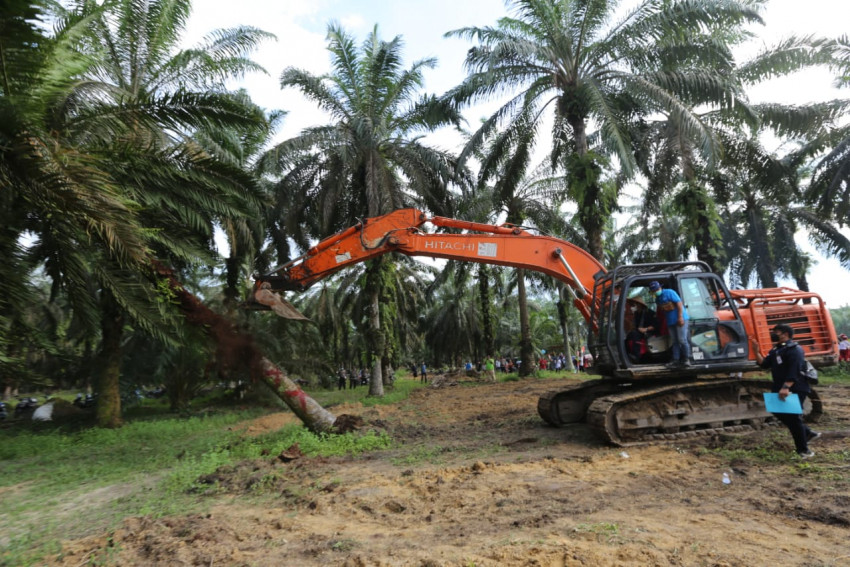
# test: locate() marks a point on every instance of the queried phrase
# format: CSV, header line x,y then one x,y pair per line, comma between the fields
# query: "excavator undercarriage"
x,y
665,412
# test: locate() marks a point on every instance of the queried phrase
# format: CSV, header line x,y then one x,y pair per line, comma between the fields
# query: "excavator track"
x,y
569,405
676,412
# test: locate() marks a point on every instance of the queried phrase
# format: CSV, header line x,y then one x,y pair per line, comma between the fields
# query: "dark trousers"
x,y
799,430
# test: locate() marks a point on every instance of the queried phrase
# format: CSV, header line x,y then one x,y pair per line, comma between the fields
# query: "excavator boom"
x,y
401,232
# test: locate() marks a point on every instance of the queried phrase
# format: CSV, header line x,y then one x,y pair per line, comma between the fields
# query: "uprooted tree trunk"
x,y
235,348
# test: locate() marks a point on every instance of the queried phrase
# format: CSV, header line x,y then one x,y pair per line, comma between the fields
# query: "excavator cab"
x,y
623,308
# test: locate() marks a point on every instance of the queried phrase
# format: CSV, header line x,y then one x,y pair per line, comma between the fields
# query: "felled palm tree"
x,y
369,160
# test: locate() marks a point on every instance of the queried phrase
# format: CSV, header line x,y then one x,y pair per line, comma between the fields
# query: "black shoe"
x,y
813,436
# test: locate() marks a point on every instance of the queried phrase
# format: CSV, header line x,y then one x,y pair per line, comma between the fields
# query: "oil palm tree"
x,y
124,177
168,95
54,190
573,60
668,158
764,212
521,195
369,160
829,189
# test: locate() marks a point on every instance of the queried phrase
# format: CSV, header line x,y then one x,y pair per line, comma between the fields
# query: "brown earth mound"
x,y
476,478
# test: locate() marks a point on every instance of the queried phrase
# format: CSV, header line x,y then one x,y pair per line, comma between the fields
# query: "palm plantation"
x,y
122,151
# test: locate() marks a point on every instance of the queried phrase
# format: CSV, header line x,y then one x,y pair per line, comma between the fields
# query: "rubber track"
x,y
600,411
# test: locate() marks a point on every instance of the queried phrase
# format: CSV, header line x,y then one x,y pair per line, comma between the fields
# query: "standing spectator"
x,y
340,383
588,361
843,348
352,380
423,373
413,367
786,360
670,307
490,367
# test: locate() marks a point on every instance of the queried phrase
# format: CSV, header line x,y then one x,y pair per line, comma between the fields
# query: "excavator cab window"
x,y
716,331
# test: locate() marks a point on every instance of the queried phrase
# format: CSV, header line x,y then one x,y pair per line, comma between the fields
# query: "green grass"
x,y
52,477
400,390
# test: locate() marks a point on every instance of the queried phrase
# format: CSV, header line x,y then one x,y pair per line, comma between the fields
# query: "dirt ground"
x,y
476,478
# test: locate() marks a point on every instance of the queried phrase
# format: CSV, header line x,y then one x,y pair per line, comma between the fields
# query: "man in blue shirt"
x,y
671,308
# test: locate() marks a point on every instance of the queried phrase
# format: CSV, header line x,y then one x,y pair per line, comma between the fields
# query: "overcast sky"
x,y
301,25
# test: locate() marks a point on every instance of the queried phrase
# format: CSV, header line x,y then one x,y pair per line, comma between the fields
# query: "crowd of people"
x,y
355,377
581,362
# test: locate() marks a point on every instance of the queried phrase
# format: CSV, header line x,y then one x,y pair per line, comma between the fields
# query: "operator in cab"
x,y
671,308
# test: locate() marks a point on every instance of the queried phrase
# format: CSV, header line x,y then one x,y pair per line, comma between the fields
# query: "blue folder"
x,y
773,404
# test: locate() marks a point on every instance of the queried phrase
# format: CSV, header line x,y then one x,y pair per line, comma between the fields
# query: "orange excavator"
x,y
641,397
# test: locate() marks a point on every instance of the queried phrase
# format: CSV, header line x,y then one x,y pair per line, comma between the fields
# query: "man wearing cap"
x,y
843,348
785,360
670,307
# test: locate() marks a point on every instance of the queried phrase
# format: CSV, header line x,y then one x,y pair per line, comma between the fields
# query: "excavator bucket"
x,y
267,299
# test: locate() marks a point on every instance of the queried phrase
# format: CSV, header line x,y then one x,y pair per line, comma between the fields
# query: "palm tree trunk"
x,y
486,318
237,349
377,341
565,331
584,175
525,351
231,286
308,410
706,238
108,363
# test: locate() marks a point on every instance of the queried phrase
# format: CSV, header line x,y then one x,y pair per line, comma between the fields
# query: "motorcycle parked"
x,y
156,393
25,406
87,401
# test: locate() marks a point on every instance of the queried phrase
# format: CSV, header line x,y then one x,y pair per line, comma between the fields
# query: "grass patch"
x,y
51,477
432,454
606,532
400,391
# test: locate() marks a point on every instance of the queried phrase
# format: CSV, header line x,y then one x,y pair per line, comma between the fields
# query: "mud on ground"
x,y
478,479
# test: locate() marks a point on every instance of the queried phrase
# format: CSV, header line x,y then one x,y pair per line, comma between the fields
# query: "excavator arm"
x,y
401,232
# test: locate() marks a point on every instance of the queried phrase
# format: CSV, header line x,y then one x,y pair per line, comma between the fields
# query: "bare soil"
x,y
476,478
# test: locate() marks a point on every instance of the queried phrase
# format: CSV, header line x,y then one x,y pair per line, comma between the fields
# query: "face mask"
x,y
633,309
774,337
658,293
